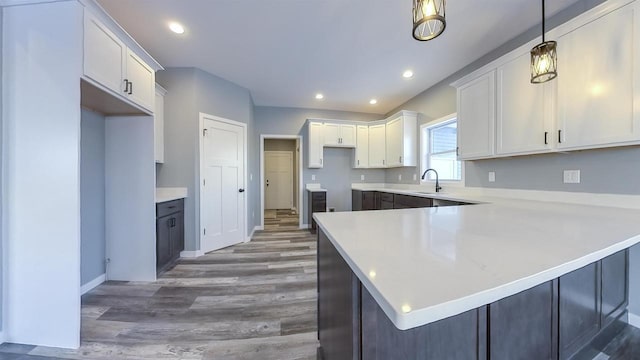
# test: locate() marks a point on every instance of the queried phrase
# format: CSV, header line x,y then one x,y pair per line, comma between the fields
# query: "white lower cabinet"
x,y
598,67
316,144
377,146
362,147
476,117
524,121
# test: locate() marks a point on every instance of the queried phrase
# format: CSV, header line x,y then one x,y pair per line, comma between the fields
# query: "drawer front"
x,y
384,205
319,206
386,197
319,196
169,207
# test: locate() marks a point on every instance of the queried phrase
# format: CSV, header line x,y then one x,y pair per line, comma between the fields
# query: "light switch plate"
x,y
313,177
492,176
362,177
571,177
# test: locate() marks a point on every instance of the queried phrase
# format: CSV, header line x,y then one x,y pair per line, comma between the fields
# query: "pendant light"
x,y
544,59
428,19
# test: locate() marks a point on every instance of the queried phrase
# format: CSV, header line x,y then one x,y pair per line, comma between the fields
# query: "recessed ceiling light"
x,y
176,28
319,96
407,74
373,101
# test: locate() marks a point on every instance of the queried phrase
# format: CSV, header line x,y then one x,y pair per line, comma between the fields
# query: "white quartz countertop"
x,y
315,188
424,265
169,194
429,194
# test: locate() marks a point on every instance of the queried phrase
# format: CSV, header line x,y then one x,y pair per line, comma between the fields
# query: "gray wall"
x,y
286,145
1,192
333,177
92,196
191,91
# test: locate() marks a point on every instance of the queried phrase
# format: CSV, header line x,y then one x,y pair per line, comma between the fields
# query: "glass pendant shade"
x,y
544,62
428,19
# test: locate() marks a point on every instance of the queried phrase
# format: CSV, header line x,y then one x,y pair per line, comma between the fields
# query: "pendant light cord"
x,y
542,20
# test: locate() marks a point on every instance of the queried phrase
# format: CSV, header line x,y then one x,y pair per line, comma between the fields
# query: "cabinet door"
x,y
394,142
597,81
579,309
524,325
615,286
331,134
315,144
377,147
158,127
524,115
177,235
362,147
163,241
142,80
476,117
348,135
104,55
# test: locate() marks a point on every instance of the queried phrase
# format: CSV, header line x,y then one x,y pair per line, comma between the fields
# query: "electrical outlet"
x,y
362,177
399,177
313,177
492,176
571,176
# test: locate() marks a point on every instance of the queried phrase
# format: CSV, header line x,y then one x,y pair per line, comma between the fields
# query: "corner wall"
x,y
191,91
92,196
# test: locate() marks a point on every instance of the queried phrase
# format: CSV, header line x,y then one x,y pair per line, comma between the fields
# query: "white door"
x,y
222,212
278,179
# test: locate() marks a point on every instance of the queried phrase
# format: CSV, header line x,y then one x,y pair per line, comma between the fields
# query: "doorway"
x,y
222,182
281,181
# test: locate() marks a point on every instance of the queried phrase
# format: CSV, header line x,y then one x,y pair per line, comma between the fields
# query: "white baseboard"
x,y
305,226
191,254
634,320
256,228
2,338
93,284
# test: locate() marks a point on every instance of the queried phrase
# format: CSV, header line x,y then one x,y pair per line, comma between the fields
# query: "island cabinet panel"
x,y
410,202
386,201
365,200
338,304
615,286
460,337
579,308
524,326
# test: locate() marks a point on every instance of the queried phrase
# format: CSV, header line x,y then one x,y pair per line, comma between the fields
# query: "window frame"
x,y
424,151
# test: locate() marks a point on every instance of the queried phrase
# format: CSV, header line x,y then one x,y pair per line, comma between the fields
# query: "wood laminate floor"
x,y
251,301
281,219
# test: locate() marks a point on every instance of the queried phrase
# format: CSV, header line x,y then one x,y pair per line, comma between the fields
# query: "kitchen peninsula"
x,y
502,279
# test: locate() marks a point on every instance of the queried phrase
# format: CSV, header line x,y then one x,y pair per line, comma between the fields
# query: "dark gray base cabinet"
x,y
317,203
169,233
555,320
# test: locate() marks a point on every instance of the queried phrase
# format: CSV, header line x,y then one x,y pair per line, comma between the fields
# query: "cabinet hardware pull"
x,y
457,151
559,136
171,207
382,162
545,137
126,85
320,161
130,87
400,159
358,162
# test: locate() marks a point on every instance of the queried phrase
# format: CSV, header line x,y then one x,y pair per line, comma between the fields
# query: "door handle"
x,y
545,137
242,190
130,87
559,136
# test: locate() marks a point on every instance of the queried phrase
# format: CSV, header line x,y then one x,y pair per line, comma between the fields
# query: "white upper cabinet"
x,y
362,147
104,54
401,140
316,143
476,117
524,122
158,123
113,66
339,135
598,77
141,80
377,146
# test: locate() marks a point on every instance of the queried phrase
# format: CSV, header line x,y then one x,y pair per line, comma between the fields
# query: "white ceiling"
x,y
285,51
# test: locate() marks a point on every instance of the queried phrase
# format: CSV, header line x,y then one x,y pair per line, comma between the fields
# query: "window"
x,y
439,144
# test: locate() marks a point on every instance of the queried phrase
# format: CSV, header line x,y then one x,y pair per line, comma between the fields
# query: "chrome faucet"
x,y
424,174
